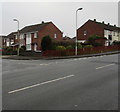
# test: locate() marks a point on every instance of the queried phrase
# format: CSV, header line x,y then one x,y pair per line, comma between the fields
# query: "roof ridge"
x,y
34,27
37,24
106,25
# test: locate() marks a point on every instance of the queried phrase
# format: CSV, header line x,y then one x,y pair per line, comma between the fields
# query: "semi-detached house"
x,y
31,36
92,27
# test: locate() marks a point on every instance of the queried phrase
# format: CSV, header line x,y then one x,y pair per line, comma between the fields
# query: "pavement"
x,y
88,83
15,57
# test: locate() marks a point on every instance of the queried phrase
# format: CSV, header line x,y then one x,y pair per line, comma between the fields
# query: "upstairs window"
x,y
85,32
35,35
21,36
55,36
15,37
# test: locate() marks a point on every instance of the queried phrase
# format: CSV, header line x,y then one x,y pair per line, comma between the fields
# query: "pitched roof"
x,y
11,35
3,36
107,26
32,28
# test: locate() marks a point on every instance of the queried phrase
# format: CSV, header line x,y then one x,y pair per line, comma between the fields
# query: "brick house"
x,y
92,27
4,41
31,36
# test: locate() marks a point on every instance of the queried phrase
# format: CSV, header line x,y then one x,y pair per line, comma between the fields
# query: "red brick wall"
x,y
92,29
50,30
3,42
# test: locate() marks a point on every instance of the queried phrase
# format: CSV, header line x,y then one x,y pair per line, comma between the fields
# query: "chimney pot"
x,y
42,22
108,23
95,20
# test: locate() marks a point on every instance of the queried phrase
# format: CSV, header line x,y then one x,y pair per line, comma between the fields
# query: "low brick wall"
x,y
30,54
81,51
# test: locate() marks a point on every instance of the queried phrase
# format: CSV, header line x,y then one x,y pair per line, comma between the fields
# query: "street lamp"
x,y
76,31
18,37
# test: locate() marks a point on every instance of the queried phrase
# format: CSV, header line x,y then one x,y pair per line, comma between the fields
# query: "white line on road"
x,y
44,64
104,66
35,85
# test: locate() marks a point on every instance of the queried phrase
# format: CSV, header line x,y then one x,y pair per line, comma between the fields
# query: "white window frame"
x,y
85,32
28,41
21,36
4,40
16,36
35,35
55,35
28,47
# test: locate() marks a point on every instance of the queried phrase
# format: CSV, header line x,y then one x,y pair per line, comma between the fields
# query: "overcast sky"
x,y
62,14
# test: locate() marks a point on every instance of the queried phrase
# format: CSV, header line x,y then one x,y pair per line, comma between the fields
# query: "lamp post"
x,y
76,31
18,37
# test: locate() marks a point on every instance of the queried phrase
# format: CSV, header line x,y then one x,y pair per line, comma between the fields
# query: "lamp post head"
x,y
79,8
15,20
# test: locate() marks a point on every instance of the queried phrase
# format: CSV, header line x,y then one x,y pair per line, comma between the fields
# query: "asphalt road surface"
x,y
66,84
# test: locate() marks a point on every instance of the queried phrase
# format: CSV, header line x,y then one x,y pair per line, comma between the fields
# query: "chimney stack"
x,y
43,22
95,20
103,22
114,25
108,23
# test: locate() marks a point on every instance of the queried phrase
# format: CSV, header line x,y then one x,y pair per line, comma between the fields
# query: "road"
x,y
64,84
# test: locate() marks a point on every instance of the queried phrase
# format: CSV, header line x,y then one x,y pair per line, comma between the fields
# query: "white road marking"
x,y
76,105
35,85
84,58
44,64
75,59
104,66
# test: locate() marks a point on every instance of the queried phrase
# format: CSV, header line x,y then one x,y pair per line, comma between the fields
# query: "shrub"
x,y
88,46
60,48
69,47
63,43
97,44
23,47
46,43
116,42
79,45
92,40
9,49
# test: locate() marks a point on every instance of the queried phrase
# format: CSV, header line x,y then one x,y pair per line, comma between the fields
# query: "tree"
x,y
46,43
93,38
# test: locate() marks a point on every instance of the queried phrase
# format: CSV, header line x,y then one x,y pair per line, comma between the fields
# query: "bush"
x,y
69,47
46,43
116,42
88,46
24,48
63,43
79,45
21,49
9,49
60,48
97,44
92,40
